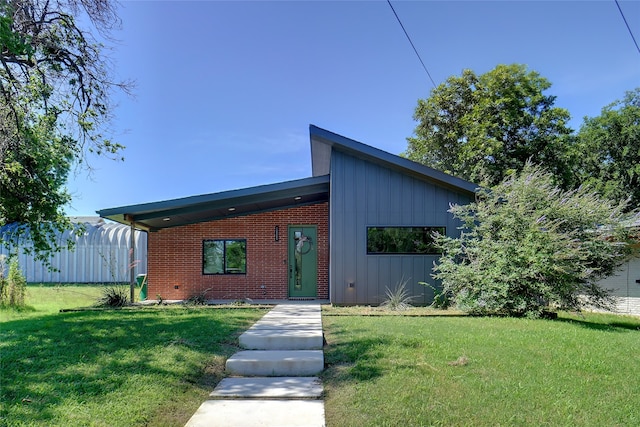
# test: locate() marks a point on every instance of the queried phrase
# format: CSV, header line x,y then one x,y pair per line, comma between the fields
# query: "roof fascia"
x,y
323,140
144,211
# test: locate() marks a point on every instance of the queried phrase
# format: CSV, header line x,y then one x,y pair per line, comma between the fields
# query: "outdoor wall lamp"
x,y
352,285
276,233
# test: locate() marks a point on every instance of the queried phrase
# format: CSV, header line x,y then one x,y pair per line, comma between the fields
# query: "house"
x,y
360,224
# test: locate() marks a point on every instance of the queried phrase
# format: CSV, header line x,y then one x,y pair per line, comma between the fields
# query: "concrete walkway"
x,y
273,381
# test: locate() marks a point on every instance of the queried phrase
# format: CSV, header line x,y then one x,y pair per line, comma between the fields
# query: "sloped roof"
x,y
226,204
323,141
207,207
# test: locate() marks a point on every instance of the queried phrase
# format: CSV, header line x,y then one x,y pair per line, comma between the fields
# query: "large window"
x,y
402,240
224,257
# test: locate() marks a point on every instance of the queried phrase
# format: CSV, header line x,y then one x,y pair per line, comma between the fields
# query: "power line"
x,y
412,45
627,24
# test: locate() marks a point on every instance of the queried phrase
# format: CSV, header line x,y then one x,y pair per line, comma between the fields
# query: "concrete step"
x,y
276,363
286,323
269,388
283,326
295,318
259,413
282,339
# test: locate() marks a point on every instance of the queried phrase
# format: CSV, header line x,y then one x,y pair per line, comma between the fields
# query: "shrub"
x,y
198,299
13,288
441,299
114,296
527,246
398,299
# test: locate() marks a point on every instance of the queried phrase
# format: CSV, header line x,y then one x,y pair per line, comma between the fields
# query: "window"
x,y
224,257
402,240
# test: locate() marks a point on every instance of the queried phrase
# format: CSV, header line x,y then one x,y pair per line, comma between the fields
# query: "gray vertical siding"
x,y
365,194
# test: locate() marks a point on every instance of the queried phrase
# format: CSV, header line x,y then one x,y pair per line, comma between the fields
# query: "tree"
x,y
55,89
610,147
528,246
483,128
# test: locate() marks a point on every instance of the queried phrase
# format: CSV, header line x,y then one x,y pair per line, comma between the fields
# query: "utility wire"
x,y
627,24
412,45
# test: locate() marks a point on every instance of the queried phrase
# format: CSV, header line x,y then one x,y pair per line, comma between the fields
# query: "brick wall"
x,y
175,256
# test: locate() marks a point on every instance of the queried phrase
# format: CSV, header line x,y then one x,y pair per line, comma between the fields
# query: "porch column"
x,y
132,258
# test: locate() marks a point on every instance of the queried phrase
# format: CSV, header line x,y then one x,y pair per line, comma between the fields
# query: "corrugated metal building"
x,y
101,255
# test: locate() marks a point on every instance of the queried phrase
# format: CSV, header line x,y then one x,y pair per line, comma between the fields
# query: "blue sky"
x,y
226,90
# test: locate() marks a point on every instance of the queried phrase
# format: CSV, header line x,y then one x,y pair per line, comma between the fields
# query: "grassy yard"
x,y
142,367
465,371
154,366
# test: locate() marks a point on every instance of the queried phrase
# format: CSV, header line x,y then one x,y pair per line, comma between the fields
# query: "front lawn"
x,y
470,371
142,367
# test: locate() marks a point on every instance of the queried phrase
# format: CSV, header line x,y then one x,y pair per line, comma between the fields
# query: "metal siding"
x,y
366,194
101,255
406,206
373,194
624,287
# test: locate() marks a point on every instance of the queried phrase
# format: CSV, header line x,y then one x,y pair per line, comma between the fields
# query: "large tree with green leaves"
x,y
610,149
483,128
528,246
56,87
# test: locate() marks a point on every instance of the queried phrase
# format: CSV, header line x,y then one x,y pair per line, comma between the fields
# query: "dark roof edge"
x,y
212,197
376,155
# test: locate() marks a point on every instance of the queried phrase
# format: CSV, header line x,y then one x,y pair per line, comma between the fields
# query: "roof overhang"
x,y
324,141
209,207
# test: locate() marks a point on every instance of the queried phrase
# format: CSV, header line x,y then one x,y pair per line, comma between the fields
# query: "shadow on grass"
x,y
87,356
19,309
619,325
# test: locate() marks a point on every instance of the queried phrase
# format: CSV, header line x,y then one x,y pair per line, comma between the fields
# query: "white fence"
x,y
101,255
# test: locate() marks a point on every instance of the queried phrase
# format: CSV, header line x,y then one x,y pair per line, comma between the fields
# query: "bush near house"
x,y
527,246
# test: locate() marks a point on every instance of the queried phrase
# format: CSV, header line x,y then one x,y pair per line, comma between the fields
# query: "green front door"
x,y
303,261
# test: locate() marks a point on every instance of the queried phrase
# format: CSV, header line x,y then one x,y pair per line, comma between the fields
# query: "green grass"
x,y
470,371
52,297
151,366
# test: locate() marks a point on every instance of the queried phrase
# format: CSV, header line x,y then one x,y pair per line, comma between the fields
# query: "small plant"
x,y
14,287
198,299
159,299
114,296
3,281
441,299
399,298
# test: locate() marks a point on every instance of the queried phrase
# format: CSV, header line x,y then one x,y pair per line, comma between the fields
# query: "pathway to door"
x,y
272,382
